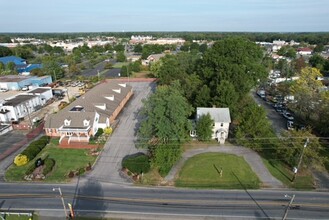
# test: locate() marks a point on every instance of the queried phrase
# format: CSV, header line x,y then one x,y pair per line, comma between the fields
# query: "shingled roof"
x,y
103,99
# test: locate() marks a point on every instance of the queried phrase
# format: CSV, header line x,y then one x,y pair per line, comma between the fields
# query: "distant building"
x,y
304,51
222,120
17,82
20,64
98,108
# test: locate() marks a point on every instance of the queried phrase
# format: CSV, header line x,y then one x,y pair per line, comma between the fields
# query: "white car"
x,y
288,116
3,90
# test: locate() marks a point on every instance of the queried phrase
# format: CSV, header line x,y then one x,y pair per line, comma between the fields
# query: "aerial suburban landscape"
x,y
155,113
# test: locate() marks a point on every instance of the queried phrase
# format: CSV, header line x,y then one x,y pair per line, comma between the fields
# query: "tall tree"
x,y
307,91
165,117
204,127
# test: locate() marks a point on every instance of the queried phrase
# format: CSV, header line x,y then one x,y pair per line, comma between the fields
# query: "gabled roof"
x,y
90,103
217,114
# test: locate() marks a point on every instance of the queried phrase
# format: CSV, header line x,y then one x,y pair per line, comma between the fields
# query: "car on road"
x,y
288,116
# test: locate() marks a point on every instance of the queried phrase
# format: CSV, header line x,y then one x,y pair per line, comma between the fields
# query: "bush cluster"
x,y
99,132
108,131
49,164
138,164
21,160
35,147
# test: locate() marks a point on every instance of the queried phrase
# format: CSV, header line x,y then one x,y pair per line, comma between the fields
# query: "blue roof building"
x,y
17,60
21,64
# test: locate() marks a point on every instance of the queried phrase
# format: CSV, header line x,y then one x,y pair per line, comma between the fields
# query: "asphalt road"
x,y
279,123
91,198
122,141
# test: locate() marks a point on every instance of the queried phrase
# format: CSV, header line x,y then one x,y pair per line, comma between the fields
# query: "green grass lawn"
x,y
66,160
303,181
22,217
203,171
120,64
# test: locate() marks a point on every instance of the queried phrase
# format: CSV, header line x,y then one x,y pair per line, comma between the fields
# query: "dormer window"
x,y
67,122
86,122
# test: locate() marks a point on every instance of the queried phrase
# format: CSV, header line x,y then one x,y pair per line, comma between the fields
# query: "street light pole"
x,y
300,160
288,206
62,198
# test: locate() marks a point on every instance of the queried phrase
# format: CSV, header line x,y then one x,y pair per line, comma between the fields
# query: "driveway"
x,y
251,157
122,141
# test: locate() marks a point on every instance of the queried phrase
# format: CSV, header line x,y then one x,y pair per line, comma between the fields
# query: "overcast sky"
x,y
164,15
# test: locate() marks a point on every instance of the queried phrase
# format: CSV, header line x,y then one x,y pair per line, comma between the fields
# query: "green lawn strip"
x,y
65,161
20,217
203,171
303,181
120,64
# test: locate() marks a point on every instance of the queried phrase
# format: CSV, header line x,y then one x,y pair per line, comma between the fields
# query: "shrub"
x,y
108,131
35,147
81,170
137,164
99,132
21,160
30,169
49,164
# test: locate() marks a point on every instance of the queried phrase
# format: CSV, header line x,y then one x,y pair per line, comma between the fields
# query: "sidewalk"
x,y
251,157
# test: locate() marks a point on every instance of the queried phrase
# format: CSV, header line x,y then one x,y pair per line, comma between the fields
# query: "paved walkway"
x,y
251,157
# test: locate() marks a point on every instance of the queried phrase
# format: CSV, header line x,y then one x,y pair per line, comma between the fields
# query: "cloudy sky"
x,y
164,15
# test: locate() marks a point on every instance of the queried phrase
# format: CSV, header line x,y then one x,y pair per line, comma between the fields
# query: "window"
x,y
69,133
85,122
222,124
67,122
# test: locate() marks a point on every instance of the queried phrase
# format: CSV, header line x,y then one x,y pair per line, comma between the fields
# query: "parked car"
x,y
3,90
25,88
290,125
288,116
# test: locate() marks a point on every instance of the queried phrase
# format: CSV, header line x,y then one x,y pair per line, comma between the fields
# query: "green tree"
x,y
226,95
138,48
51,67
5,39
10,66
121,57
204,127
317,61
319,48
202,98
306,91
235,60
165,117
5,51
164,156
108,65
2,67
252,125
292,145
299,64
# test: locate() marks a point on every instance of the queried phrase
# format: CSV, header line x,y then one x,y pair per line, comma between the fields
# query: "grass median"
x,y
217,170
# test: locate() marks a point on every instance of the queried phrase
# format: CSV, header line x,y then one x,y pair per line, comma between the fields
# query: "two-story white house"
x,y
222,120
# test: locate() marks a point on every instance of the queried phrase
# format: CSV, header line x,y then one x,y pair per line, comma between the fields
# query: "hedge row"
x,y
49,164
35,147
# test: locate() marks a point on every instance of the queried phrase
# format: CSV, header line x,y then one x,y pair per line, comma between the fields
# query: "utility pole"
x,y
300,160
62,198
288,206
